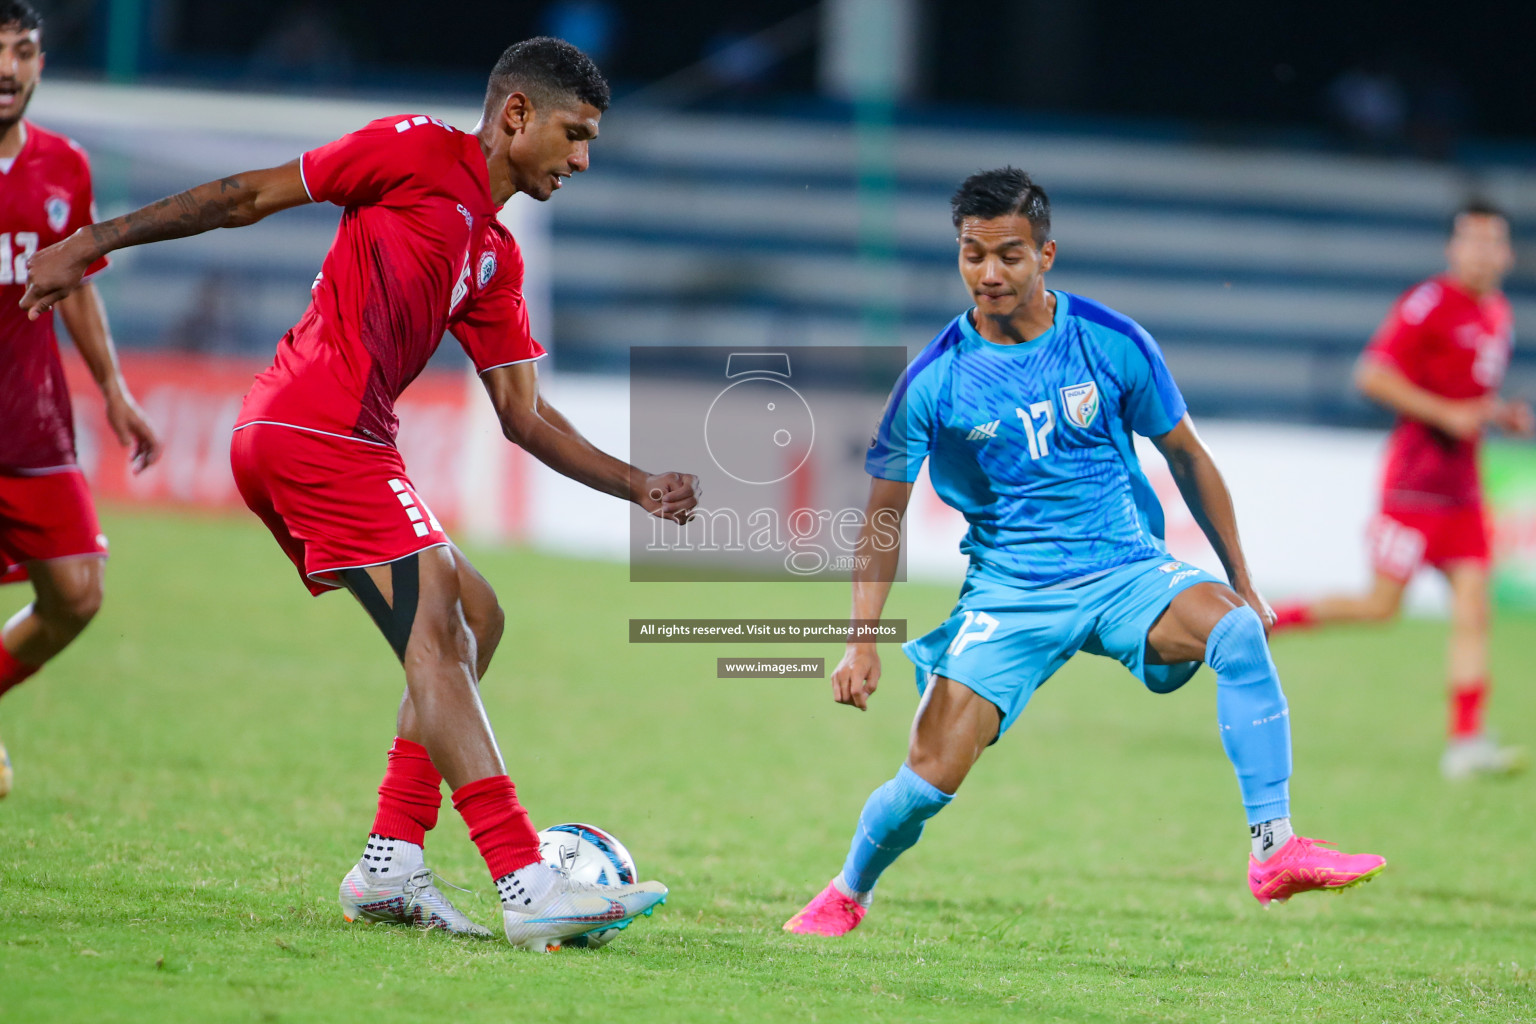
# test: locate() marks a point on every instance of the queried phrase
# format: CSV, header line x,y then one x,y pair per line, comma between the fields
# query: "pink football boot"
x,y
830,913
1302,865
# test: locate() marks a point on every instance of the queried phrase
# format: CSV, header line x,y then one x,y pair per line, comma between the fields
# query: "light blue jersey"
x,y
1032,442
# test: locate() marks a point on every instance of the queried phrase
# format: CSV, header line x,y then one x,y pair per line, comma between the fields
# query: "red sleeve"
x,y
82,207
493,325
1399,341
367,165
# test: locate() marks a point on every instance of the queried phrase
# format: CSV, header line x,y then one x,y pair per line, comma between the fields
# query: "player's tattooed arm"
x,y
227,203
1205,493
537,427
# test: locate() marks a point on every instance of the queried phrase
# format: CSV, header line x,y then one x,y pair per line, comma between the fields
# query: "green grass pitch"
x,y
195,775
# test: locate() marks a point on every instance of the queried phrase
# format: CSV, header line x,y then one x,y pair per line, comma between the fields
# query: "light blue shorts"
x,y
1004,640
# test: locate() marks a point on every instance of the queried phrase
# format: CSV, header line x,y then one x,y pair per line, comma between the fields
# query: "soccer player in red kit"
x,y
48,529
1437,361
419,250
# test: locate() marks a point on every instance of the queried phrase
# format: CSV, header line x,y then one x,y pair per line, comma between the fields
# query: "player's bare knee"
x,y
439,641
1381,609
940,765
489,625
70,609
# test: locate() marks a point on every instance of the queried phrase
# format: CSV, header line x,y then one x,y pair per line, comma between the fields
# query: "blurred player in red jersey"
x,y
48,528
419,250
1437,361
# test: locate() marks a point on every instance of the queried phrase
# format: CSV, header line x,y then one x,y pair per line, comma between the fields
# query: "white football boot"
x,y
5,772
1480,755
571,912
407,897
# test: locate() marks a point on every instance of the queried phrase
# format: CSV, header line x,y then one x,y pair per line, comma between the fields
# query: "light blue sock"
x,y
891,822
1251,711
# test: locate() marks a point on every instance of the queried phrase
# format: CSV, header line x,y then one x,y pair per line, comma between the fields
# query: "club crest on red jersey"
x,y
1080,403
57,210
487,268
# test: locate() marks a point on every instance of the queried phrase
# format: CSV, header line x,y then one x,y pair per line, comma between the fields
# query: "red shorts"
x,y
45,517
1401,541
332,502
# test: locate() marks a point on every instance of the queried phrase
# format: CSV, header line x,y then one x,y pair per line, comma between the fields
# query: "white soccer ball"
x,y
588,854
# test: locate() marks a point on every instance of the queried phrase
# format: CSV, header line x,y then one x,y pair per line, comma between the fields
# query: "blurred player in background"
x,y
419,250
1024,408
1437,362
48,528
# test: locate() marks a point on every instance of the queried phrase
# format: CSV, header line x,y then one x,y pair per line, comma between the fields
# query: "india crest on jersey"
x,y
1080,403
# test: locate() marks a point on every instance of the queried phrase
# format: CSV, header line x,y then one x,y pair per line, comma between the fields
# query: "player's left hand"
x,y
131,426
671,496
1514,417
54,273
1260,606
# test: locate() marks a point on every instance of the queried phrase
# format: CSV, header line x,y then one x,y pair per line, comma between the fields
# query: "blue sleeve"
x,y
905,435
1152,403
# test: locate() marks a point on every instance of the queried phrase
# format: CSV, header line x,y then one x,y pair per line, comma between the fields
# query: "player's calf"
x,y
1254,718
1252,713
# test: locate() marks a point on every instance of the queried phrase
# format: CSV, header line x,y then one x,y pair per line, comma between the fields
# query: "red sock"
x,y
1467,700
1290,616
409,796
11,670
498,825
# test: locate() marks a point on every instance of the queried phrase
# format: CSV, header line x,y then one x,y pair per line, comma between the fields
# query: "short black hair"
x,y
1003,193
20,14
1477,206
548,71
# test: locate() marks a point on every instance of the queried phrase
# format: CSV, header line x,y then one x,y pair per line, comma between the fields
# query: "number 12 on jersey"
x,y
1038,448
13,263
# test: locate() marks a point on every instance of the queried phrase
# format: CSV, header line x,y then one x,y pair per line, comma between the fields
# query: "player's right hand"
x,y
1465,420
671,496
55,272
856,676
132,427
1515,417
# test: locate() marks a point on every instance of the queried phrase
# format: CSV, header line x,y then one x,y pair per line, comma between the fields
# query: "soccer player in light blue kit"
x,y
1024,408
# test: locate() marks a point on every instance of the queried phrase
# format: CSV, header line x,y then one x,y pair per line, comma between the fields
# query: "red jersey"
x,y
1448,341
45,195
419,250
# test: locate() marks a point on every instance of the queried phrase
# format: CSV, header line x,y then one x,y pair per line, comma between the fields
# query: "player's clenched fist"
x,y
671,496
856,676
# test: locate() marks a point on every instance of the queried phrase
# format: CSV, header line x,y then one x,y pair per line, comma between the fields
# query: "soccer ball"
x,y
588,854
